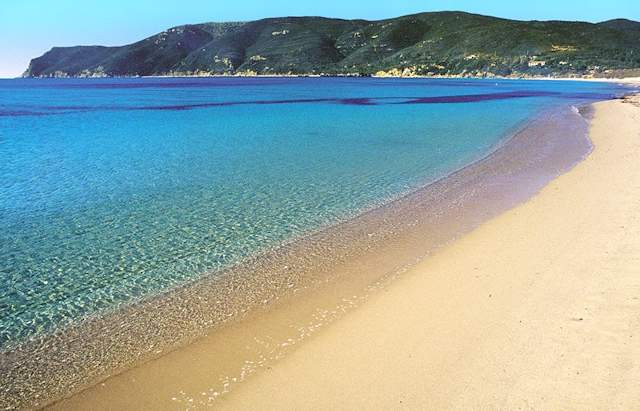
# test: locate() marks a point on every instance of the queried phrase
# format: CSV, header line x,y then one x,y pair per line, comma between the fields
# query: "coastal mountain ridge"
x,y
434,43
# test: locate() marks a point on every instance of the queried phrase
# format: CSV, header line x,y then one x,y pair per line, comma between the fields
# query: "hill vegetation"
x,y
442,43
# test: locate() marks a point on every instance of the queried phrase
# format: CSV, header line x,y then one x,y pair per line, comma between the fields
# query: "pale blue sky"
x,y
28,28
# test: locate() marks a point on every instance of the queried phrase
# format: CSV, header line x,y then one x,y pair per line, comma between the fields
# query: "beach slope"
x,y
536,309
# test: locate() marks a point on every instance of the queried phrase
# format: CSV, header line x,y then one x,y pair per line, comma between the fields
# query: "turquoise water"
x,y
113,190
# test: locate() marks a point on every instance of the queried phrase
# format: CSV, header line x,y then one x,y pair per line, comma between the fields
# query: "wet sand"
x,y
327,278
536,309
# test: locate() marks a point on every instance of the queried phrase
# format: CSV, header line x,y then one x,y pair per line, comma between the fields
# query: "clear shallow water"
x,y
112,190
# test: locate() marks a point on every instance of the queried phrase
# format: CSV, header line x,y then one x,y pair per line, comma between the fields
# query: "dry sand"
x,y
537,309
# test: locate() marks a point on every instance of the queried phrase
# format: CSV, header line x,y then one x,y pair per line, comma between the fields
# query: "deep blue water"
x,y
112,190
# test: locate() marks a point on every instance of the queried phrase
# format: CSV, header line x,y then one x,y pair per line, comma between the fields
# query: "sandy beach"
x,y
536,309
256,207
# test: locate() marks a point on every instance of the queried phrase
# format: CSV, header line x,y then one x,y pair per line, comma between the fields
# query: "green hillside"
x,y
443,43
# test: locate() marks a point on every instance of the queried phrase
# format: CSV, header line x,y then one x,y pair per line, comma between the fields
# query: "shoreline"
x,y
535,309
379,254
632,81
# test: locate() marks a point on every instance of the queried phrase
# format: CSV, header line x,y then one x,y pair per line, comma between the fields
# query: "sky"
x,y
28,28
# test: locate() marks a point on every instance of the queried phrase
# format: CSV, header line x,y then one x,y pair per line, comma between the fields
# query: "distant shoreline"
x,y
622,80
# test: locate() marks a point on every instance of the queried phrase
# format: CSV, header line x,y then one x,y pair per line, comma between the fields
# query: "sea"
x,y
113,191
